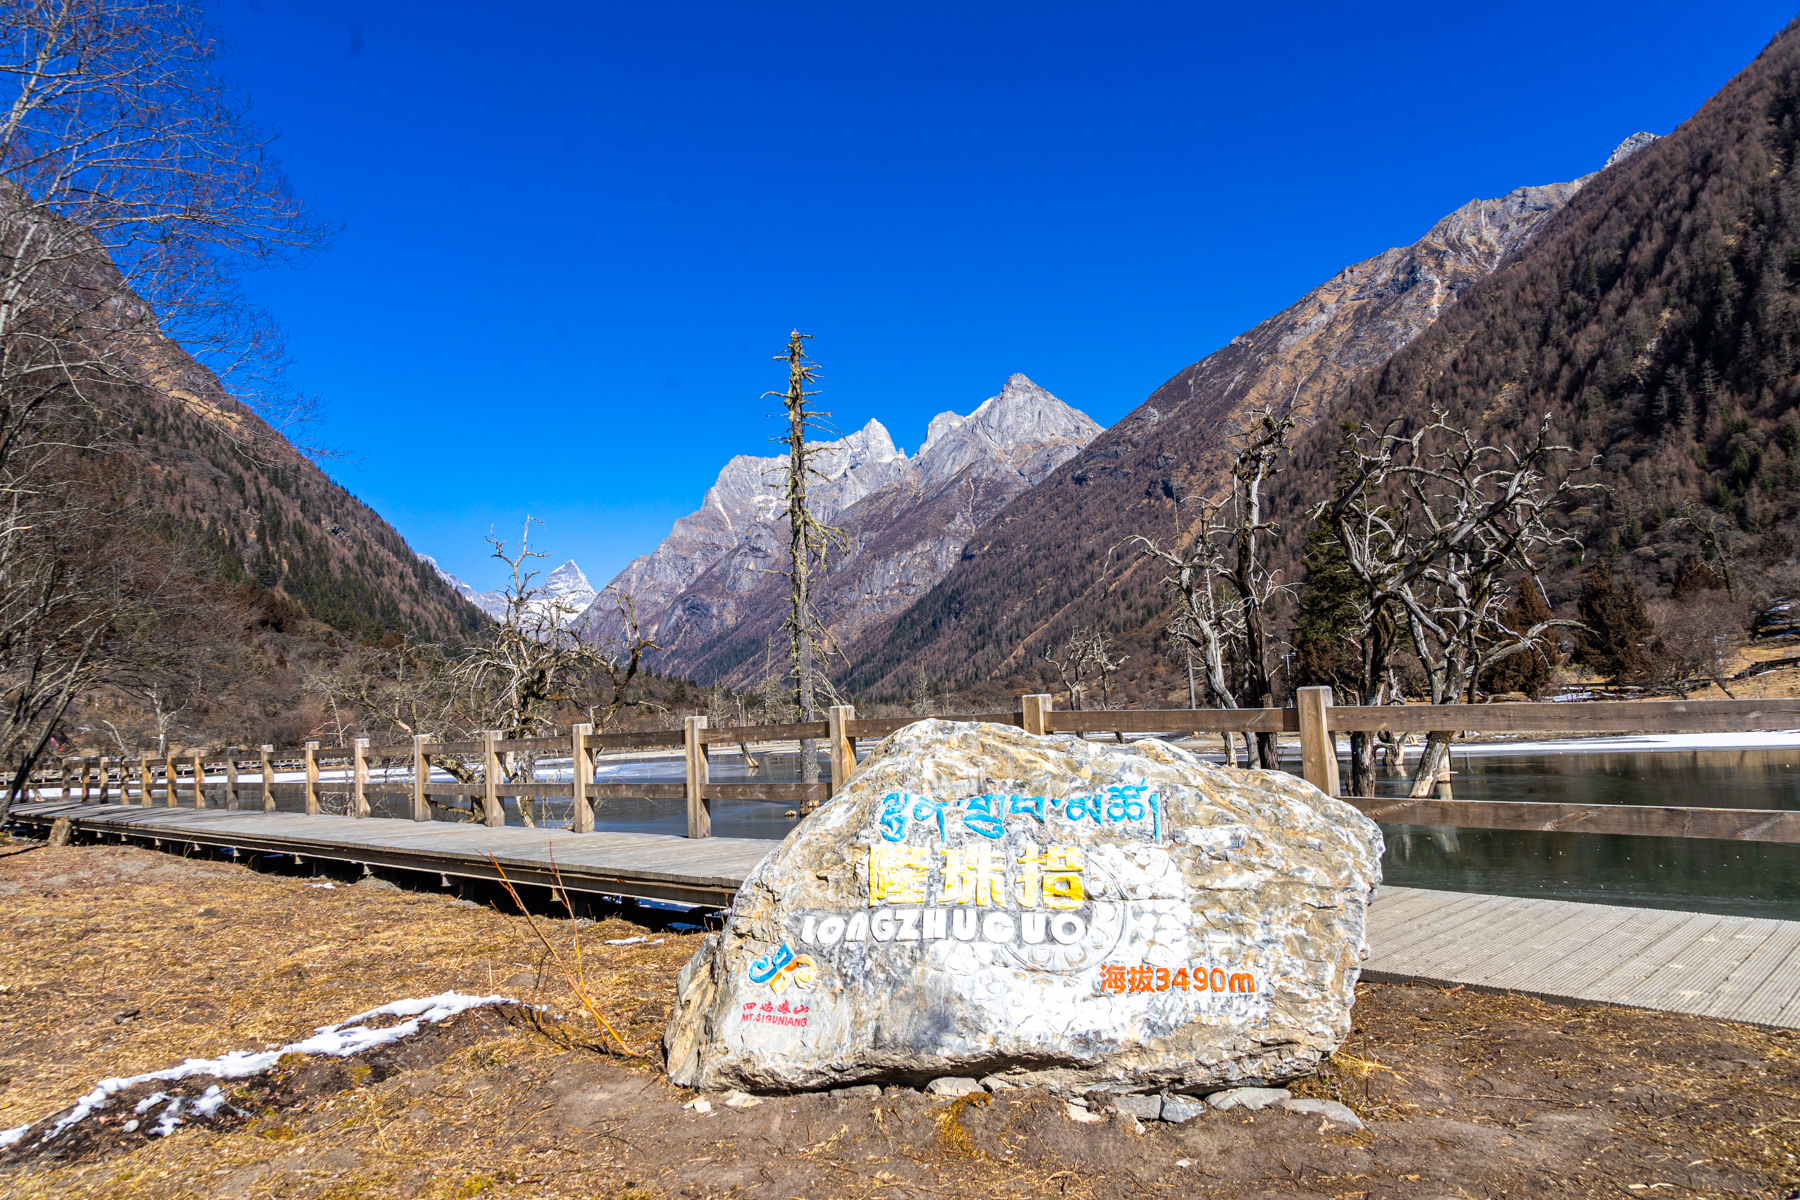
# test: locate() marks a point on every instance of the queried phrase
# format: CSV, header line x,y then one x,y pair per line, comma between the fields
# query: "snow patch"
x,y
341,1040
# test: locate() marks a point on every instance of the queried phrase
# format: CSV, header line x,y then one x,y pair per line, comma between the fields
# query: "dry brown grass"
x,y
1468,1094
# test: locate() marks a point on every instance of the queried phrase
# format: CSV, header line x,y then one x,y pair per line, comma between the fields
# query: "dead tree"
x,y
133,192
1086,652
1433,524
810,542
1208,618
1224,590
1069,670
531,670
1095,649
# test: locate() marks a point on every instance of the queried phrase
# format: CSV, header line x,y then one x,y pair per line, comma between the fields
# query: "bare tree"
x,y
1087,653
810,542
531,669
1219,575
1096,652
1070,668
1433,524
1696,636
133,193
919,696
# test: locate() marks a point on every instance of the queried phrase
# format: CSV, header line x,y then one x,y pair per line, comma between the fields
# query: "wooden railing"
x,y
1314,719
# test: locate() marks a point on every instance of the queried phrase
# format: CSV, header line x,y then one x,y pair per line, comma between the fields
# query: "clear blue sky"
x,y
573,234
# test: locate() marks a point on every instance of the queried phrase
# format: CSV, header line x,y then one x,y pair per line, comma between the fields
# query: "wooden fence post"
x,y
268,777
144,780
199,781
699,808
1031,713
101,772
1318,747
84,778
421,776
312,779
359,777
581,774
169,776
493,813
231,779
842,752
66,786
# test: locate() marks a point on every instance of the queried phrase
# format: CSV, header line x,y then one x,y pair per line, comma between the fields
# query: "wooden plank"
x,y
634,791
880,727
581,776
1591,716
1671,943
1726,824
1685,979
1773,1000
1778,944
609,742
699,808
1176,720
1561,950
421,807
1583,976
493,813
1444,933
1318,748
447,748
764,733
652,866
1541,948
1476,941
533,745
840,750
1447,909
787,793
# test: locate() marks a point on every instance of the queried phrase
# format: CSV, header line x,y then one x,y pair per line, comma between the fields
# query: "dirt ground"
x,y
120,961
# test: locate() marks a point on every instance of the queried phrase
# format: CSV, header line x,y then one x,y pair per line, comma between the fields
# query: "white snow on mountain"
x,y
566,590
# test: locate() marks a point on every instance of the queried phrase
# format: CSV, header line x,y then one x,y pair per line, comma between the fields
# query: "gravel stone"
x,y
1145,1108
953,1085
1331,1110
1252,1098
1176,1109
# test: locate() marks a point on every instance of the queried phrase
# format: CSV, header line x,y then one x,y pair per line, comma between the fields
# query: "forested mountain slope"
x,y
1046,565
249,507
1655,319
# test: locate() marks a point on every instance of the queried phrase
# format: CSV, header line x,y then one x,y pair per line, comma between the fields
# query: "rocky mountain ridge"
x,y
1045,568
712,594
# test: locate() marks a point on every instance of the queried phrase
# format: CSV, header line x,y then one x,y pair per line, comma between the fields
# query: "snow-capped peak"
x,y
566,590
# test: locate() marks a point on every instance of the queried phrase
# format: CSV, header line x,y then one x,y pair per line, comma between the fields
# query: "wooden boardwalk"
x,y
1735,968
646,865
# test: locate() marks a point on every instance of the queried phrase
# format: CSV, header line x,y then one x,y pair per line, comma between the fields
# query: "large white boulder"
x,y
979,902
